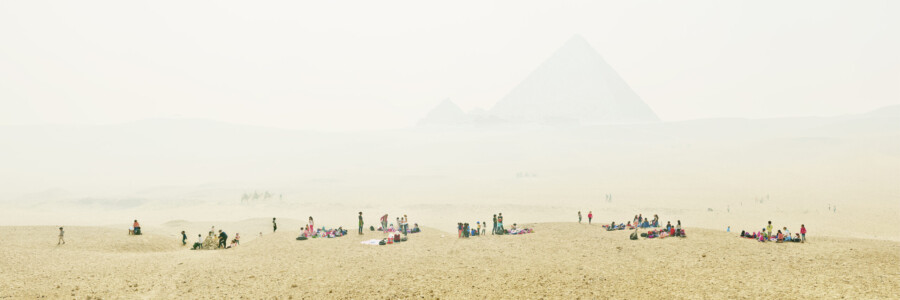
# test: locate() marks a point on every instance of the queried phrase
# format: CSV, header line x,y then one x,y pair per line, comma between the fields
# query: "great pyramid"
x,y
575,83
445,113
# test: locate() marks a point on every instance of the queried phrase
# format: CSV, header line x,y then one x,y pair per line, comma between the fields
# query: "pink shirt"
x,y
802,230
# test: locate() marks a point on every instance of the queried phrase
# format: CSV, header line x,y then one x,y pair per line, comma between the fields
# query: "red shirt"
x,y
590,216
802,230
136,225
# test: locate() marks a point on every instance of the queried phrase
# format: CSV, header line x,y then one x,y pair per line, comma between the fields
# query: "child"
x,y
802,233
61,238
590,216
183,238
579,217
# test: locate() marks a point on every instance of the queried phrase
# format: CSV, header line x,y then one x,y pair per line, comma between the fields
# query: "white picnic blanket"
x,y
371,242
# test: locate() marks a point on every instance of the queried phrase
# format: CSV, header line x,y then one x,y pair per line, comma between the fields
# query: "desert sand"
x,y
559,260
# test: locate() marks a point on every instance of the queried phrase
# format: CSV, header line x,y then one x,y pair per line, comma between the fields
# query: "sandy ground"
x,y
559,260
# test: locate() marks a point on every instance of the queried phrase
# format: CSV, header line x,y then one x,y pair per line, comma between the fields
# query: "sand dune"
x,y
559,260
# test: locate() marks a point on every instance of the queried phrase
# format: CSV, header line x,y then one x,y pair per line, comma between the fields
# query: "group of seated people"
x,y
664,233
391,229
515,230
322,233
639,221
764,236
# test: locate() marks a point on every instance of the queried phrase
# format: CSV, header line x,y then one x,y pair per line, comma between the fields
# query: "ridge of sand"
x,y
559,260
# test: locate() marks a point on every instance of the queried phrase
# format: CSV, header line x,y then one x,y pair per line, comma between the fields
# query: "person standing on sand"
x,y
769,229
494,230
483,229
183,238
223,238
579,217
590,216
802,233
384,223
61,237
312,225
360,223
500,223
274,225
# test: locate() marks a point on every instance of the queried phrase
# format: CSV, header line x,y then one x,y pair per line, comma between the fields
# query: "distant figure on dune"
x,y
137,228
590,216
802,233
274,226
183,238
360,223
62,239
579,217
494,230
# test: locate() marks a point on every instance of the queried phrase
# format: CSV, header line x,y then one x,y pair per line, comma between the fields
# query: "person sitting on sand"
x,y
796,238
416,227
787,235
678,229
237,238
668,225
137,228
199,243
779,238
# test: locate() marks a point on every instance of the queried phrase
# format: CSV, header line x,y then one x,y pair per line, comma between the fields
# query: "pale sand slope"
x,y
560,260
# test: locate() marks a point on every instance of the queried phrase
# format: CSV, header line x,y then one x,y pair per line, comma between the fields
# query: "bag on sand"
x,y
634,236
371,228
643,234
301,238
382,243
403,239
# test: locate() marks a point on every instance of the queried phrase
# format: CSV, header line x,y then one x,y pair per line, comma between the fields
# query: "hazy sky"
x,y
343,65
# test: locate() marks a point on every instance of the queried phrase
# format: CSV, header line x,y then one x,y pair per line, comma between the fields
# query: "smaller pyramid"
x,y
445,113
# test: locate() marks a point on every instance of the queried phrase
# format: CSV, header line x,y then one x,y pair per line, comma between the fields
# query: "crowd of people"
x,y
220,240
779,236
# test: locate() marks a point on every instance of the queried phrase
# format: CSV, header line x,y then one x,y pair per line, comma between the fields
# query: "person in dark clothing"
x,y
223,238
274,225
494,229
360,223
183,238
